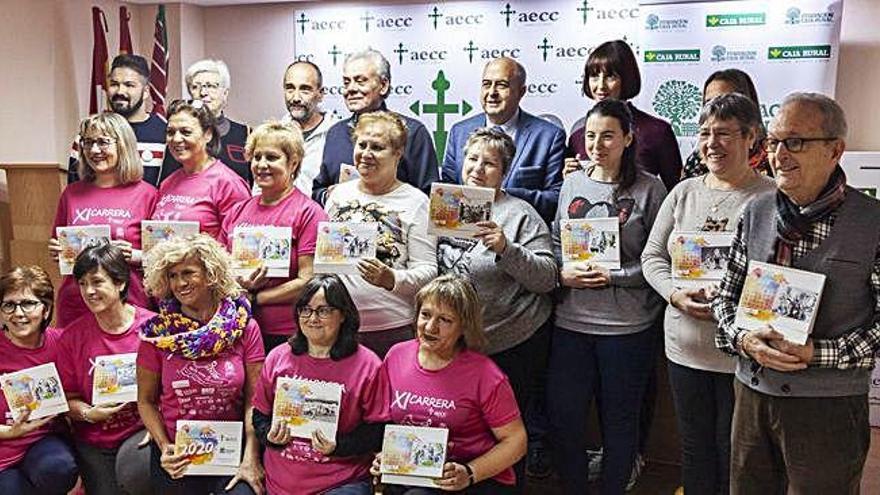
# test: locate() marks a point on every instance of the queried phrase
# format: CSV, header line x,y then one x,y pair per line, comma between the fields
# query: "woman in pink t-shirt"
x,y
110,192
199,360
204,189
324,351
275,151
108,331
440,379
33,458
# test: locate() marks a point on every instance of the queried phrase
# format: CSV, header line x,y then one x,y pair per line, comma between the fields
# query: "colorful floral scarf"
x,y
178,334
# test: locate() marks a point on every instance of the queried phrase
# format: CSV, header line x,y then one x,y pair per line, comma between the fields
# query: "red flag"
x,y
124,31
159,64
100,67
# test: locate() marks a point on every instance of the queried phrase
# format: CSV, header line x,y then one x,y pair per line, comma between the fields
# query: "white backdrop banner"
x,y
784,46
437,52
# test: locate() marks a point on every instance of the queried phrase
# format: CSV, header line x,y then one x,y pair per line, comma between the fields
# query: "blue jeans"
x,y
362,487
190,485
48,468
613,369
704,411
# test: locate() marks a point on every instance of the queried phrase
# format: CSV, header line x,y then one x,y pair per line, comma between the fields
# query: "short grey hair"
x,y
383,68
733,106
218,67
833,117
496,140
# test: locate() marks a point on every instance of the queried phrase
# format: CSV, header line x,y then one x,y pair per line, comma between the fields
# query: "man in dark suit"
x,y
536,172
366,76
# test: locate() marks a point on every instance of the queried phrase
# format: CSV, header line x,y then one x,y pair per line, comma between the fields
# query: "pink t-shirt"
x,y
205,197
298,468
83,341
203,389
16,358
469,396
302,215
120,207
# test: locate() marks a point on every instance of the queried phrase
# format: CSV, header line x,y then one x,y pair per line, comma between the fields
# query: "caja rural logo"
x,y
672,56
799,52
736,20
679,102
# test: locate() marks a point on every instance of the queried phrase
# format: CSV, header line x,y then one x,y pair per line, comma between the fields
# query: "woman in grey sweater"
x,y
700,375
603,343
511,265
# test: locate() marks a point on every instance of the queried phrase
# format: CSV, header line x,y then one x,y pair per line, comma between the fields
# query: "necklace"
x,y
717,204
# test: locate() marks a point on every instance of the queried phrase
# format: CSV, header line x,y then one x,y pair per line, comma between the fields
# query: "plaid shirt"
x,y
854,349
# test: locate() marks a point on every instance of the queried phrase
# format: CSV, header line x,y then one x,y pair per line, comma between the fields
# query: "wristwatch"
x,y
470,473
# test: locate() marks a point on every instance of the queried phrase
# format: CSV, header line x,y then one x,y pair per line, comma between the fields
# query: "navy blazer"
x,y
535,175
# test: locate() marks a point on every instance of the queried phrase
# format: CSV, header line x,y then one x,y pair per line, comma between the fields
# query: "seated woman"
x,y
112,193
443,362
203,189
33,457
325,349
275,151
511,264
109,328
199,360
406,257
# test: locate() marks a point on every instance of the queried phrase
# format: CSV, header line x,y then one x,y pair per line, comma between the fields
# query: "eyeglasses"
x,y
196,88
27,306
723,135
104,143
323,312
792,144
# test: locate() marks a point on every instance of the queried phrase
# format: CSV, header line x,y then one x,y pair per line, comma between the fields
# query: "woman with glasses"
x,y
108,330
324,350
199,359
612,73
719,83
34,458
111,192
276,152
203,190
701,376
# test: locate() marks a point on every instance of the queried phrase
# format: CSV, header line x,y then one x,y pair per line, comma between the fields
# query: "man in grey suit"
x,y
536,172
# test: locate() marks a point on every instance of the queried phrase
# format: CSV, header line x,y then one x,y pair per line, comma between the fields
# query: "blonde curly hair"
x,y
208,252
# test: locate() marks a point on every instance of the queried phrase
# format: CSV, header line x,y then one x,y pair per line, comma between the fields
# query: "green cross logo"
x,y
713,20
400,50
471,49
367,18
436,15
440,108
302,21
507,12
585,9
545,47
650,56
775,52
333,53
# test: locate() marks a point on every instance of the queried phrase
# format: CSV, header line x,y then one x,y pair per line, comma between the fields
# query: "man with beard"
x,y
208,80
366,77
128,85
303,91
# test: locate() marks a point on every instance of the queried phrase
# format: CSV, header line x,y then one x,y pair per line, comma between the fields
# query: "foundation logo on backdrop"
x,y
795,16
672,56
418,55
489,53
564,52
656,23
440,109
720,53
679,103
438,18
385,23
528,16
736,20
621,13
799,52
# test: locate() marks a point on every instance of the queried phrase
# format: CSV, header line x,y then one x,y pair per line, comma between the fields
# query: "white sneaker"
x,y
594,464
638,467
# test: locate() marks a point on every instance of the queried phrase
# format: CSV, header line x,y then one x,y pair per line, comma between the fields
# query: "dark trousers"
x,y
271,341
798,445
703,410
485,487
613,368
382,340
191,485
525,366
48,468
